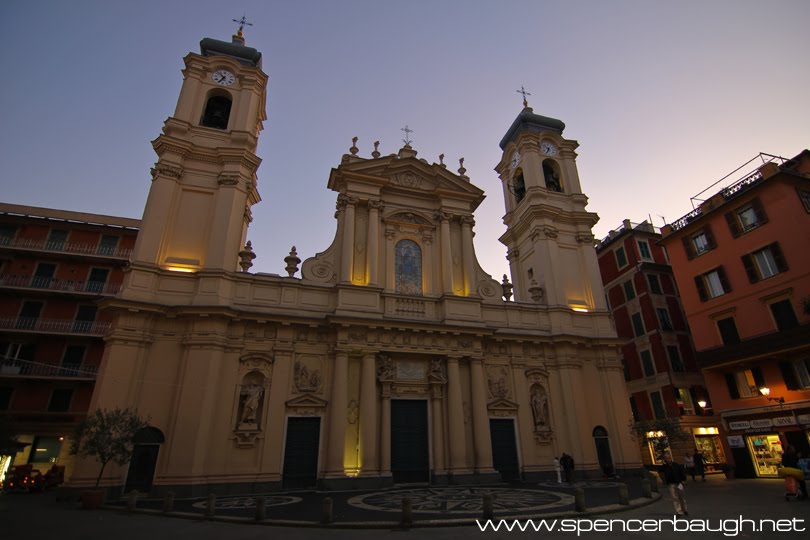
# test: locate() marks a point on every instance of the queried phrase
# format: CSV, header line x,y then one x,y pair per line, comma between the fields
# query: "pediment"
x,y
502,404
307,400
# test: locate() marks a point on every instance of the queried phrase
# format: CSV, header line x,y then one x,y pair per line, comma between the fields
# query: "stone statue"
x,y
539,402
385,369
250,407
436,372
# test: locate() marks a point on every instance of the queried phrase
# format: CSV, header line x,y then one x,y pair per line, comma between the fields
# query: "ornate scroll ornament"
x,y
164,169
436,374
408,217
468,220
307,376
228,179
584,238
407,179
550,232
498,382
385,368
375,204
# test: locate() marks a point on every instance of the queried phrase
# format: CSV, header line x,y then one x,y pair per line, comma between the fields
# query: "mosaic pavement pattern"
x,y
461,500
593,484
238,503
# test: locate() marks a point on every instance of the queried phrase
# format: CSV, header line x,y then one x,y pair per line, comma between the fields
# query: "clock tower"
x,y
204,182
549,238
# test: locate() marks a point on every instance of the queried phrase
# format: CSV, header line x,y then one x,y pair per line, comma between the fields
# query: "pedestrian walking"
x,y
689,465
673,476
700,464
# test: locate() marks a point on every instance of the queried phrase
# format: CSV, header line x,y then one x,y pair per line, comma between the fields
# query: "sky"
x,y
664,98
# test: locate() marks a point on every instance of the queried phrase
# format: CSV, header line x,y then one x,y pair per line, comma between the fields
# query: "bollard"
x,y
488,511
407,512
624,498
579,500
645,488
210,506
260,508
168,502
132,499
326,510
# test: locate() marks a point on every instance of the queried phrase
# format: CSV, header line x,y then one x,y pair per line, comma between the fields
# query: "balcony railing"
x,y
739,186
65,247
54,326
25,368
61,285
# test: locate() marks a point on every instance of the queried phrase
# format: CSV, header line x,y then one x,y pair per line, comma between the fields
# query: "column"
x,y
439,466
368,414
481,438
455,417
337,415
390,261
447,254
385,434
467,251
347,252
373,241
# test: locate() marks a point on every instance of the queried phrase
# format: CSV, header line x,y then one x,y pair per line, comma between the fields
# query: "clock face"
x,y
515,159
548,148
223,77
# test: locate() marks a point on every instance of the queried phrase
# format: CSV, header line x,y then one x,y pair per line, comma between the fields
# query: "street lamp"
x,y
765,391
702,403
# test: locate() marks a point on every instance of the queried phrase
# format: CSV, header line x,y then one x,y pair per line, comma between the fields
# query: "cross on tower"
x,y
407,140
525,93
242,22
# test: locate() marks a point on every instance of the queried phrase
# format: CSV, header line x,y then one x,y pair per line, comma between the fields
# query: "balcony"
x,y
769,344
90,250
34,370
91,288
53,326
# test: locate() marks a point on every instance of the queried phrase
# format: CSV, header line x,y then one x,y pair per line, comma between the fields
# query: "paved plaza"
x,y
40,516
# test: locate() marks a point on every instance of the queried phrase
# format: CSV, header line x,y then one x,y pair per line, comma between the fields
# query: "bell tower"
x,y
204,182
548,237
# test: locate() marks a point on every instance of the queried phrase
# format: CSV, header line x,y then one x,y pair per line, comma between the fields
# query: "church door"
x,y
301,452
144,460
409,441
504,448
600,438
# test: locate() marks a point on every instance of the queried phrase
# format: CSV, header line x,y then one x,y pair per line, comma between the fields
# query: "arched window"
x,y
217,112
551,173
519,185
408,267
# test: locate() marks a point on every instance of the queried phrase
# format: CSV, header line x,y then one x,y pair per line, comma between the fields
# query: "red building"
x,y
54,266
742,263
663,379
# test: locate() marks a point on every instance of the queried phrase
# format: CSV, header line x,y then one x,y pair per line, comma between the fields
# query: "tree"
x,y
667,430
107,435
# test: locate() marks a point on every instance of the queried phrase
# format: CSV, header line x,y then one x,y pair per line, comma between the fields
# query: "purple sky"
x,y
664,98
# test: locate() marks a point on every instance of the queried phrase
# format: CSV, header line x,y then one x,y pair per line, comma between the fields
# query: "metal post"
x,y
488,510
326,510
260,508
210,506
132,499
579,500
168,502
407,512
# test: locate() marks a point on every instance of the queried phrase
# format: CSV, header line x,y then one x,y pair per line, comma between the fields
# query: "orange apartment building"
x,y
742,263
660,369
54,266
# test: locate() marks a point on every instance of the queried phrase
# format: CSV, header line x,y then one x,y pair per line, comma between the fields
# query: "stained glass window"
x,y
408,267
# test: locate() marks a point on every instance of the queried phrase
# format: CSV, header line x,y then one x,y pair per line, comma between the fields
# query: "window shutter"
x,y
732,386
723,279
733,225
778,258
748,263
759,378
707,230
688,248
788,374
701,288
759,211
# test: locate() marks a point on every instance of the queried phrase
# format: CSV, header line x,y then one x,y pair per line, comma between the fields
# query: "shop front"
x,y
707,441
757,443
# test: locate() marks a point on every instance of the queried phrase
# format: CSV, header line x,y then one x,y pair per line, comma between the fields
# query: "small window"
x,y
551,173
684,402
72,359
107,245
746,218
217,112
783,315
638,325
699,243
519,185
647,363
804,196
712,284
408,261
663,316
97,280
60,400
749,381
644,250
629,290
728,331
56,240
658,405
7,234
655,284
43,276
675,359
802,370
764,263
621,258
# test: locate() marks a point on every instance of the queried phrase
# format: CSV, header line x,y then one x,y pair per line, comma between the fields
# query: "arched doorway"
x,y
600,438
144,459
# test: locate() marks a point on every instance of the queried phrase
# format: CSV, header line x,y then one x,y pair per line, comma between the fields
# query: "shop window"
x,y
746,218
408,261
644,250
45,450
675,359
699,243
621,258
658,405
658,446
712,284
647,363
655,284
728,331
638,325
60,400
107,245
629,289
767,453
710,446
684,401
783,315
765,263
663,316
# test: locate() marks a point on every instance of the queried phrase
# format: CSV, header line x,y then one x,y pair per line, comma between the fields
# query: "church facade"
x,y
393,357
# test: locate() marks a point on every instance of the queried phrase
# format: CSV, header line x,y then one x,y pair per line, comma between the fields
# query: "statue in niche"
x,y
385,369
539,402
251,399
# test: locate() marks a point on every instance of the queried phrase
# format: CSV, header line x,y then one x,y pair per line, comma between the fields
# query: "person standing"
x,y
558,470
791,459
689,465
567,463
700,465
673,476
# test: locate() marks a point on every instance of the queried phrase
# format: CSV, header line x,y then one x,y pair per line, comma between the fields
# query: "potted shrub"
x,y
727,469
105,435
